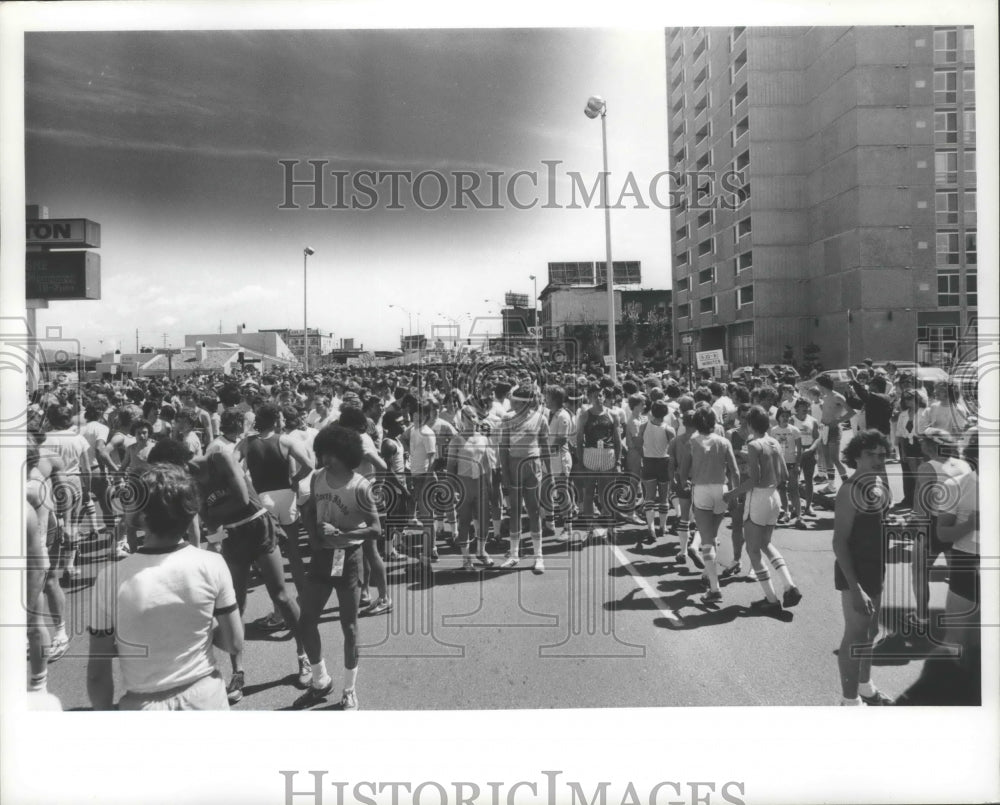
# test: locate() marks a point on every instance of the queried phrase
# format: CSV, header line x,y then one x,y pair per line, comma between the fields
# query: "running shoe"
x,y
696,560
485,560
564,536
751,575
381,607
783,518
712,597
799,523
315,694
434,555
539,567
468,566
650,538
766,607
270,623
877,699
808,512
791,597
349,700
548,531
639,546
509,562
730,570
57,647
365,602
234,690
305,671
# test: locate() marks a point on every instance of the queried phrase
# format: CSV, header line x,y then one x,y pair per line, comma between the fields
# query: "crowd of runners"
x,y
343,472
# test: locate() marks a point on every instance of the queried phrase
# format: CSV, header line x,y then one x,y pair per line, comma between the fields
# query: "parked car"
x,y
772,372
840,377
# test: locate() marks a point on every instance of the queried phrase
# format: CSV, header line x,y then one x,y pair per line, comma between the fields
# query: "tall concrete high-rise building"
x,y
855,225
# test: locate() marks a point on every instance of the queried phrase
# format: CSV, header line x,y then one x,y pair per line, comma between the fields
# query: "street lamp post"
x,y
597,106
305,326
538,351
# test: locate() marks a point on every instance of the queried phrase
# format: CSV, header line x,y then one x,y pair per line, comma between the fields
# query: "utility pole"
x,y
164,340
136,339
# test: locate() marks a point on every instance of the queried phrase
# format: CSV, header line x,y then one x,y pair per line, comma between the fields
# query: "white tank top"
x,y
655,440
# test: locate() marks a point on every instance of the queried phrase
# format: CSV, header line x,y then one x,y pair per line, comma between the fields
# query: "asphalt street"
x,y
604,626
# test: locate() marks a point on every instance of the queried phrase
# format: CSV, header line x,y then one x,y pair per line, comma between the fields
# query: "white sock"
x,y
60,630
38,681
350,678
850,702
515,544
319,673
867,688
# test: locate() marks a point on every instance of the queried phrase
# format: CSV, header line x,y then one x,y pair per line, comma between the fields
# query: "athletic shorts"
x,y
763,506
655,469
834,434
963,574
322,563
708,497
527,472
208,693
281,504
871,577
560,465
247,543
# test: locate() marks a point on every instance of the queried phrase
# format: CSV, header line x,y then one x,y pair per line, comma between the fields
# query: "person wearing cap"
x,y
936,493
524,434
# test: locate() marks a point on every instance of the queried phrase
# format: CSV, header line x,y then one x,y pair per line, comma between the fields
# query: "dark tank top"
x,y
268,468
217,493
867,540
599,426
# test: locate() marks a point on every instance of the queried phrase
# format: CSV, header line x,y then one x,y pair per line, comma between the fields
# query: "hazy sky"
x,y
171,141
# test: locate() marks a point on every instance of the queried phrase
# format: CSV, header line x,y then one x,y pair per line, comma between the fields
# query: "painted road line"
x,y
645,586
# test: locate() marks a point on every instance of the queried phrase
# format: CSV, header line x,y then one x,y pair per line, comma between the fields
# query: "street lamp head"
x,y
595,107
308,251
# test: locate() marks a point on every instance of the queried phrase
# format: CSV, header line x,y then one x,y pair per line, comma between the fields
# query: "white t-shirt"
x,y
345,507
220,444
966,508
94,432
561,424
160,606
71,447
422,444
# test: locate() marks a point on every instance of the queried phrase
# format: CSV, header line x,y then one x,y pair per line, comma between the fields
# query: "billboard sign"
x,y
63,233
62,275
709,359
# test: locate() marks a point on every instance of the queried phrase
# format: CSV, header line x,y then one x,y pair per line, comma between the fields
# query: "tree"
x,y
811,360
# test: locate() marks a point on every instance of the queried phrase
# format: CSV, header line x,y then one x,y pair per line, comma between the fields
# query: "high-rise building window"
x,y
679,155
972,288
704,161
739,96
947,248
683,284
700,48
735,37
946,127
969,208
946,207
946,167
744,295
743,194
745,261
681,232
706,276
703,104
701,77
969,87
969,167
702,134
684,311
744,228
741,128
946,46
971,251
969,127
706,305
739,63
682,258
948,292
945,87
968,46
706,247
705,219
